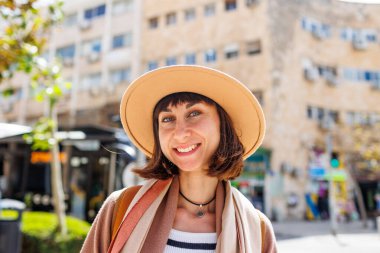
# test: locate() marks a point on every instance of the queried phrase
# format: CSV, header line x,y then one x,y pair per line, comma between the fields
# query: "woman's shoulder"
x,y
111,200
114,196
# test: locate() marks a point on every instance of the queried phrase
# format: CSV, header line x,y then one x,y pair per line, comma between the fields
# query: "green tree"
x,y
367,147
25,27
362,144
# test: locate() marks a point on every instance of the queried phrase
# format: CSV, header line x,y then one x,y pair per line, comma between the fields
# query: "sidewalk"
x,y
315,237
294,229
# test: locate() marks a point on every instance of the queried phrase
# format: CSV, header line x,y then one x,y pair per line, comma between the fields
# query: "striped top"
x,y
185,242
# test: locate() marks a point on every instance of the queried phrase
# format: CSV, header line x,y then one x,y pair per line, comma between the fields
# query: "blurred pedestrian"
x,y
196,125
377,199
323,206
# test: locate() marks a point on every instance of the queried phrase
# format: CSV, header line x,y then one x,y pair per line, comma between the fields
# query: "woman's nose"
x,y
181,130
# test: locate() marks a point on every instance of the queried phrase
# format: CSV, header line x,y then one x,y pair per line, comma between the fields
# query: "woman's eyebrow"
x,y
190,104
166,110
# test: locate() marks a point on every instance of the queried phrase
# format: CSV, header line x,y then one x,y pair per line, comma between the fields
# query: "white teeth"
x,y
188,149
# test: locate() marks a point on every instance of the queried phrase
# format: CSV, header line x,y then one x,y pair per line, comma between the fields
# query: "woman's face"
x,y
189,134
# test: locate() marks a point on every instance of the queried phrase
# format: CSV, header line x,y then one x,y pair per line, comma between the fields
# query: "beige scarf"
x,y
237,222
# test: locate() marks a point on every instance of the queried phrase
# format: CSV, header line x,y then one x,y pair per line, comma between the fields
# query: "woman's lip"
x,y
187,153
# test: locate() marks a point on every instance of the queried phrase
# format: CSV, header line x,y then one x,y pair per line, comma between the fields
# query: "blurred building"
x,y
313,65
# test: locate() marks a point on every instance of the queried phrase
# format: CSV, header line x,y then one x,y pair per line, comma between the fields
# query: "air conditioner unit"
x,y
360,42
319,34
93,57
68,61
251,2
85,25
332,79
311,73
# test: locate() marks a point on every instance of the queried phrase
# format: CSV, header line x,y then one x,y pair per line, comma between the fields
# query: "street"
x,y
313,237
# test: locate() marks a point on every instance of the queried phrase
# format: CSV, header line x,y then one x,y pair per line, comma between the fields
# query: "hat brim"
x,y
142,95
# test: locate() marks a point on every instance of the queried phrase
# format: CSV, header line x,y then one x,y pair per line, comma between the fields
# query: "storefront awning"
x,y
9,130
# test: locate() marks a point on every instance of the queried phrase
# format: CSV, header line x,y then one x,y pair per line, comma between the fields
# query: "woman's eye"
x,y
167,119
194,113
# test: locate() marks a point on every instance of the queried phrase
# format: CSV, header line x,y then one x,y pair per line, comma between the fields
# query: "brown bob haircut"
x,y
225,164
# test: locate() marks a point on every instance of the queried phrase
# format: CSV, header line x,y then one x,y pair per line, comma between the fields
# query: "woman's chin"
x,y
189,169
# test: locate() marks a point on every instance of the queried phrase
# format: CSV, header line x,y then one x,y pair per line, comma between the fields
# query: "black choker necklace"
x,y
200,212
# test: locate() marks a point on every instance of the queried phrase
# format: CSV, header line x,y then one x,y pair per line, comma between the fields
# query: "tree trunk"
x,y
56,179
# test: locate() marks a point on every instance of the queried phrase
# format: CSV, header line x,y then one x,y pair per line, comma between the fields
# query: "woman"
x,y
197,125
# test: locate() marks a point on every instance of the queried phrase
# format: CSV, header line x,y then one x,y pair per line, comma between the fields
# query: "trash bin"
x,y
10,228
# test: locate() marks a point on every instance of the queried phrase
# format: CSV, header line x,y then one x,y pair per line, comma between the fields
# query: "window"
x,y
321,31
358,118
374,118
317,28
333,116
346,34
326,71
66,52
230,5
209,10
92,13
118,41
350,34
171,18
171,61
231,51
91,46
350,74
309,112
88,14
253,47
190,58
369,75
91,80
122,40
120,75
18,94
320,113
70,20
190,14
357,75
152,65
210,55
304,23
122,6
371,36
153,23
350,118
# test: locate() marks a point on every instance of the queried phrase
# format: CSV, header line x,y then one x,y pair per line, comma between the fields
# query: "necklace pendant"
x,y
200,214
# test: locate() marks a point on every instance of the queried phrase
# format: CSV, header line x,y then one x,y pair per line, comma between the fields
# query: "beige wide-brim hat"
x,y
142,95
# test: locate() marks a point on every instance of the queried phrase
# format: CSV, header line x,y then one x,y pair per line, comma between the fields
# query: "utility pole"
x,y
332,209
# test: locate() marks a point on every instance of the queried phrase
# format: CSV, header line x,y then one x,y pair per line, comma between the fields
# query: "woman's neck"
x,y
197,187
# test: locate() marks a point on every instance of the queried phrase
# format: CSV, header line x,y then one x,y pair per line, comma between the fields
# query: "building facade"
x,y
313,65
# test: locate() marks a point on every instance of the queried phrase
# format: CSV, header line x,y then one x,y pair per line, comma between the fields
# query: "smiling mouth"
x,y
188,149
